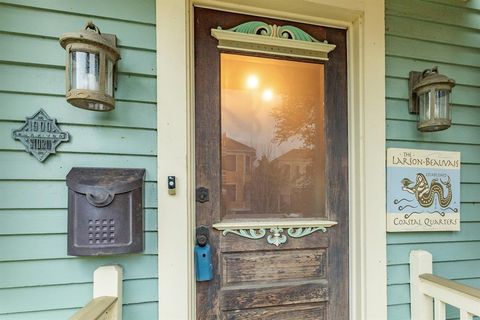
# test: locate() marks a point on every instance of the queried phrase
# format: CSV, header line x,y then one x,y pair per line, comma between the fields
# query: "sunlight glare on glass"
x,y
267,95
252,81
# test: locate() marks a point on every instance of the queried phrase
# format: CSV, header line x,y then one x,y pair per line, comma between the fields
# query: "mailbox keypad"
x,y
101,231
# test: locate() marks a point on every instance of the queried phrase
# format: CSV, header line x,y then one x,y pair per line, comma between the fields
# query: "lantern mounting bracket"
x,y
413,79
113,40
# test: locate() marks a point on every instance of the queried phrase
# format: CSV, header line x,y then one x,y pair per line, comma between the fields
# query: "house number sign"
x,y
40,135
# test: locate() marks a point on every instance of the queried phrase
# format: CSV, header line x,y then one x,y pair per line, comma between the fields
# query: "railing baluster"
x,y
464,315
421,304
439,308
425,287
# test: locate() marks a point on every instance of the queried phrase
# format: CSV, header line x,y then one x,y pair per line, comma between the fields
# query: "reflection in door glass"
x,y
272,138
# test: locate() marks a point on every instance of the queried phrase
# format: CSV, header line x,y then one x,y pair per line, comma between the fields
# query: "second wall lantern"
x,y
90,69
429,97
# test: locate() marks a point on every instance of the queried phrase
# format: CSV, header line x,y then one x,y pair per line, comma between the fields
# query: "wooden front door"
x,y
271,149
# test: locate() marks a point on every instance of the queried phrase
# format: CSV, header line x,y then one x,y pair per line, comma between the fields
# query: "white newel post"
x,y
421,304
108,281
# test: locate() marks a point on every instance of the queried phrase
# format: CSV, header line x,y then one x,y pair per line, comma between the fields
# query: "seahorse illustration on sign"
x,y
425,192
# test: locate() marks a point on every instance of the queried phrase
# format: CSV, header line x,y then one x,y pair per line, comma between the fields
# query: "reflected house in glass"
x,y
237,167
295,167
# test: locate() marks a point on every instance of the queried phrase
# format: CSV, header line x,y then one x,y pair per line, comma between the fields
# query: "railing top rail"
x,y
453,285
95,309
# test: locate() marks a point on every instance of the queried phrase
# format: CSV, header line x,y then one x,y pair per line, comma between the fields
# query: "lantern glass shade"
x,y
442,105
84,70
434,110
424,103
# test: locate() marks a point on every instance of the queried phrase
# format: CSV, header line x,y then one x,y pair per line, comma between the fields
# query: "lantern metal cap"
x,y
91,34
432,77
420,82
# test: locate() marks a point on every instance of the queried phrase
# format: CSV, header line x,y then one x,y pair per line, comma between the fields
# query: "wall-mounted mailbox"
x,y
105,211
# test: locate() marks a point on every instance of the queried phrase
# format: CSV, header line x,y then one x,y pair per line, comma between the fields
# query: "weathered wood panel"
x,y
230,243
268,295
291,312
279,265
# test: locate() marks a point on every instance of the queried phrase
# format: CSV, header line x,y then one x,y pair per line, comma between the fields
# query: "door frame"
x,y
364,21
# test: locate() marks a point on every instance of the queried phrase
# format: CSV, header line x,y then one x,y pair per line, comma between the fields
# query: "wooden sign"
x,y
423,190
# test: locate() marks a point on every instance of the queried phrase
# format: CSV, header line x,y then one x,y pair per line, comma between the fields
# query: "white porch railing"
x,y
430,293
107,296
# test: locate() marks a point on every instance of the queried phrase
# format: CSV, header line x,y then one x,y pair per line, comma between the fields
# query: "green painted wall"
x,y
419,35
37,278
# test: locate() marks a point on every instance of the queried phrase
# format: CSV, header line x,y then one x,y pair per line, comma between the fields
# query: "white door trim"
x,y
364,21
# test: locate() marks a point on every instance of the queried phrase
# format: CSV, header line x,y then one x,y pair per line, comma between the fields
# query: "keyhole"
x,y
204,255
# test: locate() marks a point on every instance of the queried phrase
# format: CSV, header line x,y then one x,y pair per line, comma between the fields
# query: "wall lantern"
x,y
90,69
429,97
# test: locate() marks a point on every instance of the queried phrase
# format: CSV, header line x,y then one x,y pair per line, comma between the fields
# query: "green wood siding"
x,y
419,35
37,278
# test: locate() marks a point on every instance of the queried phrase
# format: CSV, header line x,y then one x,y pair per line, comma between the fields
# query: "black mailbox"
x,y
105,211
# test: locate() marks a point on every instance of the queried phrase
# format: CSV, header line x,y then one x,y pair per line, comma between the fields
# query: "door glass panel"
x,y
272,138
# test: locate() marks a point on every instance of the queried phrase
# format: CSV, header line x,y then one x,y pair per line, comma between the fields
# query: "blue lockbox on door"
x,y
203,262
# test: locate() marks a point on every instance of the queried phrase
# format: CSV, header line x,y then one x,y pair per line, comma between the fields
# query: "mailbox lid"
x,y
113,180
